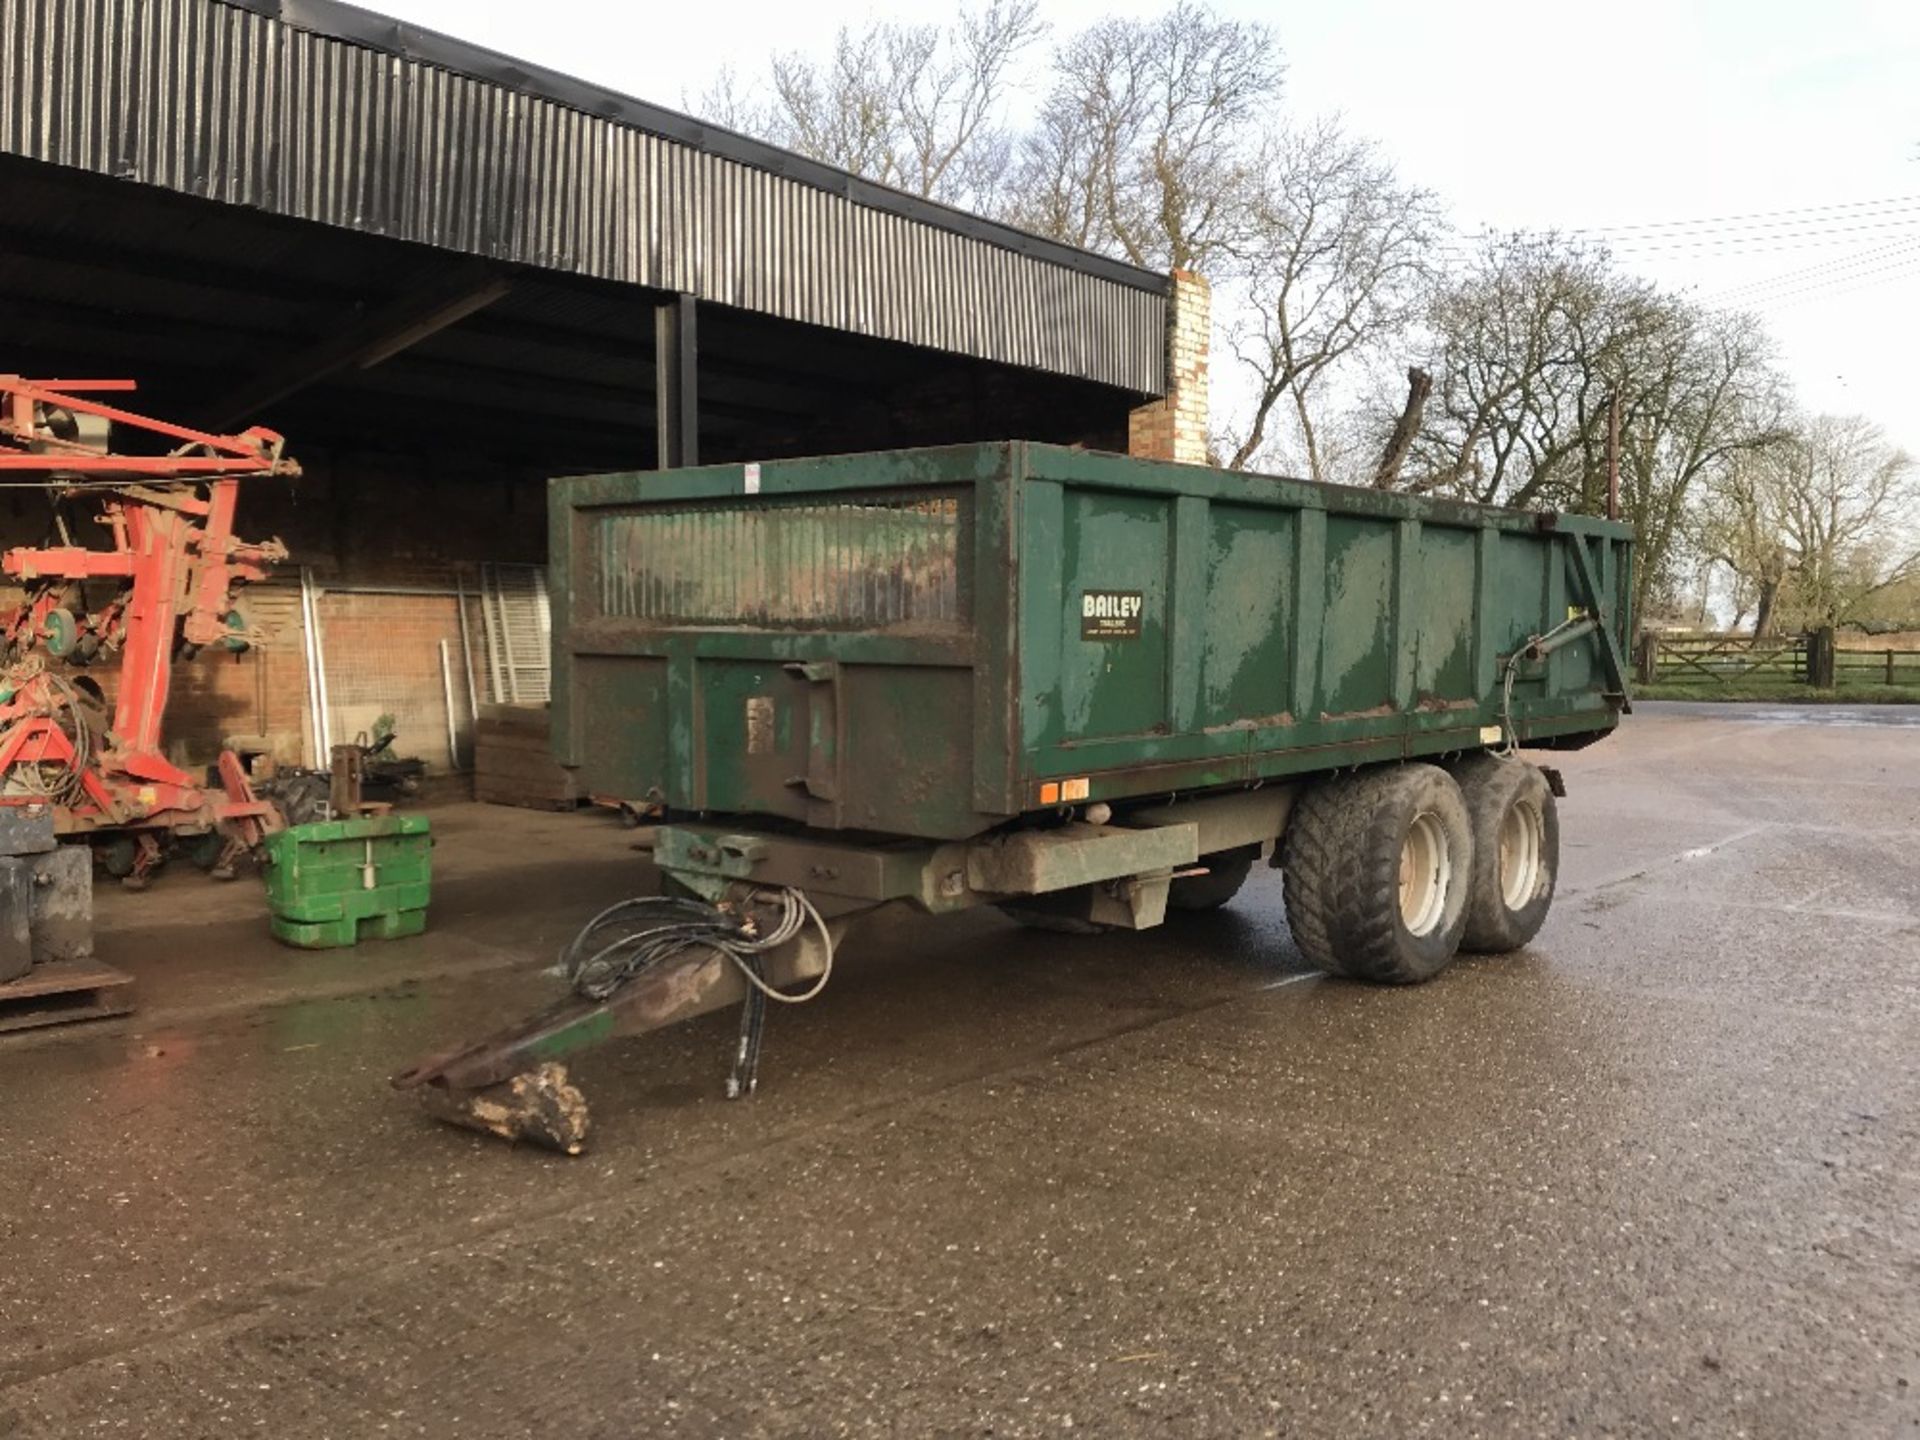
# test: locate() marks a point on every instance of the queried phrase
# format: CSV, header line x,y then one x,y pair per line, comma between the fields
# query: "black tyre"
x,y
1378,868
204,851
1516,852
303,798
117,856
1226,873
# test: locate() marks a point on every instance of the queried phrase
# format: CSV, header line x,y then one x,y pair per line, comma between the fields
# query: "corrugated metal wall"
x,y
222,102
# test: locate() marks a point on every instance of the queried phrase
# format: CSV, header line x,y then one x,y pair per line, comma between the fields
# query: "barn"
x,y
446,276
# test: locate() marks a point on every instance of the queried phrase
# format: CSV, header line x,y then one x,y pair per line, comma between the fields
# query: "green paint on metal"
x,y
1486,610
337,882
1309,610
1357,660
995,617
1594,594
1116,555
795,561
595,1027
1247,636
1187,613
1440,600
1042,602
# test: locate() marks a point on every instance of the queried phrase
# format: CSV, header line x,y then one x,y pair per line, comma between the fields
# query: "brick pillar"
x,y
1176,428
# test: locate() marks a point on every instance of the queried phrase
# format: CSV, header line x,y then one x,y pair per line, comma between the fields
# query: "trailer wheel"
x,y
1226,872
1378,868
1516,852
117,856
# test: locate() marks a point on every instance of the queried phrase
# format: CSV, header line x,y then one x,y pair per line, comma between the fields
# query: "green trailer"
x,y
1087,689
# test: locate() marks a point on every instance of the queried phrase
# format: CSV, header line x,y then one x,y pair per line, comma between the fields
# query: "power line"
x,y
1777,216
1830,238
1735,293
1758,244
1770,307
1884,274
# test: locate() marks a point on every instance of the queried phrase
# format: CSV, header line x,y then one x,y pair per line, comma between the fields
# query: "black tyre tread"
x,y
1227,872
1303,847
1364,923
1321,833
1489,783
1341,857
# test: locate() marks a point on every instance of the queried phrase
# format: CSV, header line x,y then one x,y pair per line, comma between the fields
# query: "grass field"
x,y
1782,691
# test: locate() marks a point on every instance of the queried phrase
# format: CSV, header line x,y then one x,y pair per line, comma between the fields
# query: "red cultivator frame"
x,y
174,565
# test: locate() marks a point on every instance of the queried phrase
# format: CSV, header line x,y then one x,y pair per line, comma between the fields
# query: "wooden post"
x,y
1613,456
1646,662
1889,665
1820,658
343,792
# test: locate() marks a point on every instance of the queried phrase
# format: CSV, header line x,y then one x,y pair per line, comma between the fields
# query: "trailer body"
x,y
1083,688
935,643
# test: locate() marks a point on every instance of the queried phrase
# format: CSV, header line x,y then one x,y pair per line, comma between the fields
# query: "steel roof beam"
x,y
378,336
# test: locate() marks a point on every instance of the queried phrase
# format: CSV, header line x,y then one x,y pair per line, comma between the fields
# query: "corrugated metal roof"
x,y
323,112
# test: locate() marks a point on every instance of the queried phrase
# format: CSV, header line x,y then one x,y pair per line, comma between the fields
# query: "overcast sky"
x,y
1518,114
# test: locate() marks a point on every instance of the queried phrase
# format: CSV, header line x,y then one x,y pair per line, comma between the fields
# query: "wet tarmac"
x,y
1657,1175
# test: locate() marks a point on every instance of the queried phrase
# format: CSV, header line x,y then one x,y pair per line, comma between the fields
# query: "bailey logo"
x,y
1111,614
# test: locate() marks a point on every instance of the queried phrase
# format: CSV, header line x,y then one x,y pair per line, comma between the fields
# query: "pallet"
x,y
525,799
512,764
62,991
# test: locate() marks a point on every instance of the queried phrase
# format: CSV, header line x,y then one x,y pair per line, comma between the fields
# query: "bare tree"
x,y
1406,430
918,107
1699,394
1832,520
1533,342
1148,144
1336,259
731,104
1160,141
1527,339
1738,525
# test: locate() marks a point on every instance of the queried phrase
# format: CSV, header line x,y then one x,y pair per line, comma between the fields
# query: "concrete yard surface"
x,y
1659,1174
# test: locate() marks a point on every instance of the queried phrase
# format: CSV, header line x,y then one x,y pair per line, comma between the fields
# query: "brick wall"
x,y
260,692
383,658
1175,428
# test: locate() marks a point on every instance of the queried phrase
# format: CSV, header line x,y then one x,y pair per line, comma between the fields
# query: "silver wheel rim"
x,y
1522,832
1426,874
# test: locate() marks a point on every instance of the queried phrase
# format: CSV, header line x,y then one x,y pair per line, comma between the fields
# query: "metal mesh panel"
x,y
383,657
822,564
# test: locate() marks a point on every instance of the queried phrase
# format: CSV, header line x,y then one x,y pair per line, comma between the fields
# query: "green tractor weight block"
x,y
338,882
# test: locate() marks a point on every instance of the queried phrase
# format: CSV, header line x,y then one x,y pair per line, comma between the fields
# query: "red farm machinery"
x,y
160,589
75,767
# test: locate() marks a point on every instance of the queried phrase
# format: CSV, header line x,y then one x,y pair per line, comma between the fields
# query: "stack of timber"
x,y
512,764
